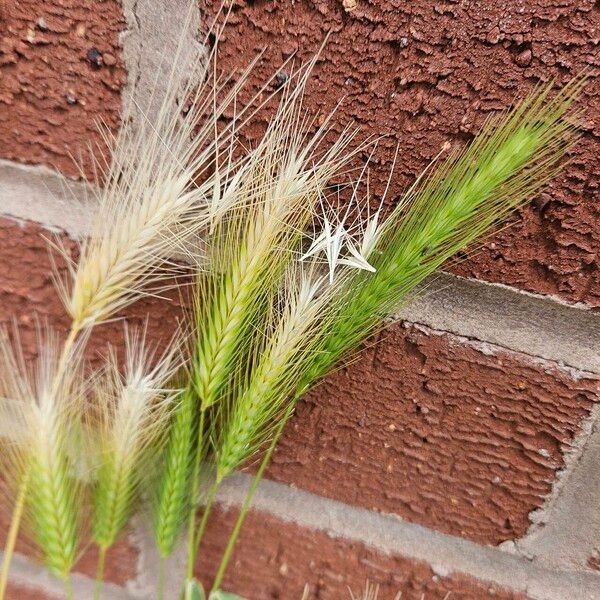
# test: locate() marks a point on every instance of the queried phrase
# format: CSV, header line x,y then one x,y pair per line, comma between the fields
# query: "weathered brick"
x,y
443,433
274,559
61,73
429,72
21,592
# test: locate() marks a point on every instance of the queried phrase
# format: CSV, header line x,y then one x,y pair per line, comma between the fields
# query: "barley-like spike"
x,y
134,409
40,408
508,163
171,506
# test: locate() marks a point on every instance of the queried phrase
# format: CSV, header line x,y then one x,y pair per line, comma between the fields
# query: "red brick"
x,y
18,592
438,432
423,73
274,559
593,562
51,94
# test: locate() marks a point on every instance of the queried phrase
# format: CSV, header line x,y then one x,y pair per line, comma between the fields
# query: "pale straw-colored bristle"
x,y
371,592
263,394
133,410
40,417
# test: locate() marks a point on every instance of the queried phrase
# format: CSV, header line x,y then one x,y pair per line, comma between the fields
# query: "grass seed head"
x,y
41,404
133,410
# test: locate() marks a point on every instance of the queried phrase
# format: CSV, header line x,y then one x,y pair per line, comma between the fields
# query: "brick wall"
x,y
460,453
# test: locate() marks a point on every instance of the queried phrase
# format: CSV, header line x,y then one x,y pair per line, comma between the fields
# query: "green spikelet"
x,y
173,499
54,510
114,496
507,163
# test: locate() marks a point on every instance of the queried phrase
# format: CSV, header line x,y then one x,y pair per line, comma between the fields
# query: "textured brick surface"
x,y
60,73
441,433
17,592
423,426
274,559
431,71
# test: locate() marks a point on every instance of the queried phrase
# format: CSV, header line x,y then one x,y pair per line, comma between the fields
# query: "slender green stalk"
x,y
248,500
69,588
162,567
210,498
13,533
197,535
99,584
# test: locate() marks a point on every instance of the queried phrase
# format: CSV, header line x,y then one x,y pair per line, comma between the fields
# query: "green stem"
x,y
100,573
162,565
13,533
199,533
248,500
69,588
191,543
210,498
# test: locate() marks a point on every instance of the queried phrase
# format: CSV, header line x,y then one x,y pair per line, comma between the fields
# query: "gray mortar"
x,y
536,325
156,33
566,530
41,195
389,534
33,576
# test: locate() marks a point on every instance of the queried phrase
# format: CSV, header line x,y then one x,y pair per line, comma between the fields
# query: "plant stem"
x,y
63,360
248,500
199,533
69,587
191,544
210,498
100,572
162,565
13,534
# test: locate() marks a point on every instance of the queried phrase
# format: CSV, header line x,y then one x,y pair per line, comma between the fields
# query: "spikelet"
x,y
40,416
264,392
507,164
171,494
133,410
277,191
